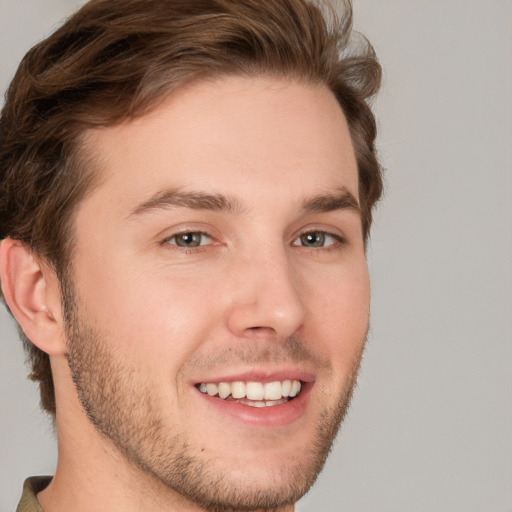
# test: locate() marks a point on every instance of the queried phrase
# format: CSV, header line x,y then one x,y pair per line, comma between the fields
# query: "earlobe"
x,y
32,294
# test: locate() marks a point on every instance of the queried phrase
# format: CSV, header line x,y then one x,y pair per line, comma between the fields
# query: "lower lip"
x,y
272,416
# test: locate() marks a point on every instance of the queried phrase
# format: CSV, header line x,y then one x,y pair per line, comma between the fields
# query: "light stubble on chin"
x,y
121,404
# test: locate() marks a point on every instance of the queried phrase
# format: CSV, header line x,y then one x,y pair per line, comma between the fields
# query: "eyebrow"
x,y
195,200
343,200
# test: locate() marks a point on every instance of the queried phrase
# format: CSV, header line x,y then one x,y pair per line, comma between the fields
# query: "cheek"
x,y
159,316
339,313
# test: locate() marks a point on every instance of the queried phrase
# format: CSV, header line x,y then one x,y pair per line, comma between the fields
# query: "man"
x,y
186,196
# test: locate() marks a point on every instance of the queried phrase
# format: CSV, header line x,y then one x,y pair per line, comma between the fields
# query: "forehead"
x,y
230,135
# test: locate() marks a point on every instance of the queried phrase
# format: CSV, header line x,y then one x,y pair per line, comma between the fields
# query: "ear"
x,y
31,290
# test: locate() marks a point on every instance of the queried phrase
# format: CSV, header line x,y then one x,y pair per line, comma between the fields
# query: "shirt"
x,y
31,487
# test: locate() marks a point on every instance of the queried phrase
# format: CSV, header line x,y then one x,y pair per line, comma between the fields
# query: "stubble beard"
x,y
121,406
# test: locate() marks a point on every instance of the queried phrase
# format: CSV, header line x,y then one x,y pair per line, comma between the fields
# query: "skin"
x,y
148,319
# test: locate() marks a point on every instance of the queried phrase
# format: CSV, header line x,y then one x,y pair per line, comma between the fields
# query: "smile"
x,y
253,394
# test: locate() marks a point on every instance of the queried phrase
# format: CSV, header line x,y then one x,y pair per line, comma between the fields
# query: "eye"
x,y
315,239
189,239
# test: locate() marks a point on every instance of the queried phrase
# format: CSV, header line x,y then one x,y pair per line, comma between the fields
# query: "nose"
x,y
266,298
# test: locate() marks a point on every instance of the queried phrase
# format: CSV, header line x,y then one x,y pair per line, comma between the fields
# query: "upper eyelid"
x,y
170,233
337,237
167,239
187,231
317,230
216,236
335,232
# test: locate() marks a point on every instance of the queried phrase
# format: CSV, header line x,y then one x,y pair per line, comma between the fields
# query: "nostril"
x,y
261,331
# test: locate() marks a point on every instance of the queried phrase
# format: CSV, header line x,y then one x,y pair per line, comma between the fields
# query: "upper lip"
x,y
259,375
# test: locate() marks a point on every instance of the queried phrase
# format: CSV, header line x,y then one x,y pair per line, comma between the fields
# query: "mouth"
x,y
252,393
258,398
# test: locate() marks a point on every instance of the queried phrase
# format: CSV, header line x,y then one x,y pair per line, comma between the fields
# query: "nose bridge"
x,y
268,298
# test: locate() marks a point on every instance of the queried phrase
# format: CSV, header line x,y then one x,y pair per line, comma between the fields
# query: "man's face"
x,y
223,245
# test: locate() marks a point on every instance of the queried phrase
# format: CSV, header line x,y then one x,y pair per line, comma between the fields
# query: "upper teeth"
x,y
252,390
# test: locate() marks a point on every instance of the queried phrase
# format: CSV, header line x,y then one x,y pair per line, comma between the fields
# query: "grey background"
x,y
430,429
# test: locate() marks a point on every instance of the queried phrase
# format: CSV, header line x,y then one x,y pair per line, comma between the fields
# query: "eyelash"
x,y
187,250
337,240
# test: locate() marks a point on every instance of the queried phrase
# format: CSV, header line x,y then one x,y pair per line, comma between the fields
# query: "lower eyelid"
x,y
332,239
336,239
171,240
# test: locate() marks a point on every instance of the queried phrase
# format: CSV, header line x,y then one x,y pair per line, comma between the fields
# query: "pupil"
x,y
189,239
313,239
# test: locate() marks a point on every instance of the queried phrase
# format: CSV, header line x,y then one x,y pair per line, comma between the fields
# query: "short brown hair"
x,y
113,61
